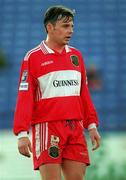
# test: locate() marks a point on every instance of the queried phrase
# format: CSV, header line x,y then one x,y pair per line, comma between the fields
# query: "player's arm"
x,y
24,108
91,120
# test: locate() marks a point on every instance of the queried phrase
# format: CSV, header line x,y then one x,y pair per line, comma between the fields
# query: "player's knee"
x,y
50,177
50,172
74,176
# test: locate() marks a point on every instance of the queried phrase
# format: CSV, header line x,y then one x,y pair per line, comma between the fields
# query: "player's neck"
x,y
54,45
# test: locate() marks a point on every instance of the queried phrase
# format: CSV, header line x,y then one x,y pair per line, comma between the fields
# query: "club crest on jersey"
x,y
54,148
75,60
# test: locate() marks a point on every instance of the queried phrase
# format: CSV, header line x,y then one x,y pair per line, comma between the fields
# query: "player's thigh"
x,y
73,170
50,171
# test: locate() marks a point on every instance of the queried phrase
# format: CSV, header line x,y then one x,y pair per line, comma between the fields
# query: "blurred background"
x,y
100,34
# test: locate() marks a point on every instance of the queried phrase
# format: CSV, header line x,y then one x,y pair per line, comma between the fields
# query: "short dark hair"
x,y
55,13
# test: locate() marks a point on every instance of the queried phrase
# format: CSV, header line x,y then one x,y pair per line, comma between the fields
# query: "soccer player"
x,y
54,100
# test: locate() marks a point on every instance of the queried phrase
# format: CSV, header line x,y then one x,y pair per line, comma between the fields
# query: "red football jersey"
x,y
53,87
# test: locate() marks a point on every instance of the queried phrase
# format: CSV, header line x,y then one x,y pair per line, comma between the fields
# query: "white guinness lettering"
x,y
60,83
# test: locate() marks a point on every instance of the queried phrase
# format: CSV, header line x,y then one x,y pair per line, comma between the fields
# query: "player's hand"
x,y
95,138
24,146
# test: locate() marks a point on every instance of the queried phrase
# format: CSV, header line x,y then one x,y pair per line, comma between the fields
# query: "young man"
x,y
54,99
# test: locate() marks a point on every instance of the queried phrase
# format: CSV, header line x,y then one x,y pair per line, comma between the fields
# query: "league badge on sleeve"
x,y
24,76
24,84
75,60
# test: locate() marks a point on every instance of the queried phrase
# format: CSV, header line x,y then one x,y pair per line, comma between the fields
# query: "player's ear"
x,y
50,27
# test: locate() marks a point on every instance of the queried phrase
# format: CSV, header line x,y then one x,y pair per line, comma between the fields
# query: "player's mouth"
x,y
67,38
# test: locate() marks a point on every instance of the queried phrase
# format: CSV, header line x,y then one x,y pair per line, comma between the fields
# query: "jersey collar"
x,y
46,50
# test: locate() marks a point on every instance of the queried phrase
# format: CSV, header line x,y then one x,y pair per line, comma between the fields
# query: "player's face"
x,y
62,31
